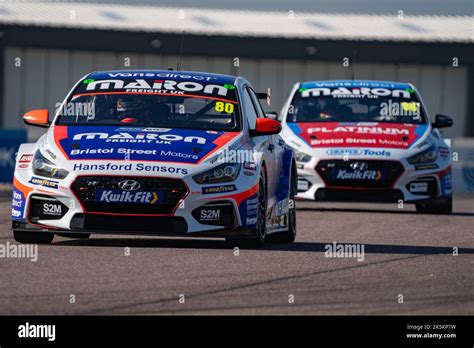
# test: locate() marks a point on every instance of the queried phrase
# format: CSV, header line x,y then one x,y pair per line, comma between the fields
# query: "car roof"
x,y
170,74
356,83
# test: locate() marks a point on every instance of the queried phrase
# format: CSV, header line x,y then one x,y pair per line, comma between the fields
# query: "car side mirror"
x,y
442,121
266,126
272,115
38,117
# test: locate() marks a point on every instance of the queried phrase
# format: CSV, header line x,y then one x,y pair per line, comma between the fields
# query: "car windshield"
x,y
156,103
356,104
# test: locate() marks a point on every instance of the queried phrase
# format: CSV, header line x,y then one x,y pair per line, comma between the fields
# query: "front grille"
x,y
169,190
364,195
45,208
359,173
431,186
172,225
303,184
217,213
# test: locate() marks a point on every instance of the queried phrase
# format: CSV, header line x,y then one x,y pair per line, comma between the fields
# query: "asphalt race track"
x,y
406,255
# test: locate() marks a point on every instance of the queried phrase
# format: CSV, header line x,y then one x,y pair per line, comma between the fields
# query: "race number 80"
x,y
225,107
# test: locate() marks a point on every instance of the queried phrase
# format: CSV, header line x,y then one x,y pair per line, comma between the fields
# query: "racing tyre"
x,y
437,206
74,235
260,230
289,235
34,237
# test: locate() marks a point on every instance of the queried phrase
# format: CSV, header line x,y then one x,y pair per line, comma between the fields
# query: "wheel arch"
x,y
265,173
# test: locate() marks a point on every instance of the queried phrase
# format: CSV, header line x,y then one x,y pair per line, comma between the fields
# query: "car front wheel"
x,y
258,240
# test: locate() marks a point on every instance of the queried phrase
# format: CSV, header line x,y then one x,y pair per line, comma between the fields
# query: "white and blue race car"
x,y
156,152
368,141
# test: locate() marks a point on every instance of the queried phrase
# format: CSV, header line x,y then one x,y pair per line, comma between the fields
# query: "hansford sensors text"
x,y
140,167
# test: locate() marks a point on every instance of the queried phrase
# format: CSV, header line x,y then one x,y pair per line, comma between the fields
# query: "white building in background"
x,y
47,45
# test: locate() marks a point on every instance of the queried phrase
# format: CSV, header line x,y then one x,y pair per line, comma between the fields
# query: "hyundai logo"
x,y
359,166
129,185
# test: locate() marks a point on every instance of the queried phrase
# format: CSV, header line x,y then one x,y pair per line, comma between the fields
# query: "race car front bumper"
x,y
381,181
180,210
240,232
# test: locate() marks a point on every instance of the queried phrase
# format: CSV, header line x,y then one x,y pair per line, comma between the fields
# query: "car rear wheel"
x,y
258,240
437,206
34,237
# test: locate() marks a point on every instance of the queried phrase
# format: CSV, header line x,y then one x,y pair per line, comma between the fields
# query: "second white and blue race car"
x,y
368,141
156,152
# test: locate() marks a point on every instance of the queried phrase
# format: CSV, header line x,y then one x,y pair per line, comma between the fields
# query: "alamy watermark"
x,y
403,109
19,251
336,250
237,156
28,330
76,109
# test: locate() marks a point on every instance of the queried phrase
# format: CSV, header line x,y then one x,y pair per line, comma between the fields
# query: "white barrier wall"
x,y
463,168
38,78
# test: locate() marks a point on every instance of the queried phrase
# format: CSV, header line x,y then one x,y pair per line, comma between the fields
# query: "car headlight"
x,y
222,173
429,140
426,156
44,167
302,157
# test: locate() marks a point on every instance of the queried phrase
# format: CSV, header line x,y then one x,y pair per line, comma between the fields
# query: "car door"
x,y
273,153
261,144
